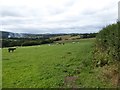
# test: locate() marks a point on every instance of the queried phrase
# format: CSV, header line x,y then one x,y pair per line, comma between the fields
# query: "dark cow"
x,y
61,43
11,49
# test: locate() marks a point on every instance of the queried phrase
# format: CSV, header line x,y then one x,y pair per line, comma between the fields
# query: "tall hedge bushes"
x,y
108,45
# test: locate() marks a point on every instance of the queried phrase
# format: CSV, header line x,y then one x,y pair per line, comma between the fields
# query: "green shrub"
x,y
107,44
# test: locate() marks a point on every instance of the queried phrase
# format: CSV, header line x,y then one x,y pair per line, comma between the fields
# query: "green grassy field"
x,y
55,66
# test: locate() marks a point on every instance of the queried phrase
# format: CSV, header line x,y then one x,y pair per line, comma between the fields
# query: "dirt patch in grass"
x,y
70,81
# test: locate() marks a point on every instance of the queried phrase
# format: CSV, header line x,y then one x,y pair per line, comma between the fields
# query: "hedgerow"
x,y
107,47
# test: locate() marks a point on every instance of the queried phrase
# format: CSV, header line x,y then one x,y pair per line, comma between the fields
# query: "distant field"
x,y
55,66
67,37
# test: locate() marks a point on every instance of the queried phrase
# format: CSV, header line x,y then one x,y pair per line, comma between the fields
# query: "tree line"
x,y
24,42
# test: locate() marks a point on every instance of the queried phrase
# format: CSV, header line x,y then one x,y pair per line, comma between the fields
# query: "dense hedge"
x,y
108,45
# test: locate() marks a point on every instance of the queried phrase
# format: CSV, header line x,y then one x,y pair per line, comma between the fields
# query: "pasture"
x,y
54,66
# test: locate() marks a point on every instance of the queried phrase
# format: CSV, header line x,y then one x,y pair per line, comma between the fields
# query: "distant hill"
x,y
5,34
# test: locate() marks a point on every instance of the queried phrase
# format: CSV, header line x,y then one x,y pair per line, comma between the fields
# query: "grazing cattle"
x,y
49,45
57,43
61,43
11,49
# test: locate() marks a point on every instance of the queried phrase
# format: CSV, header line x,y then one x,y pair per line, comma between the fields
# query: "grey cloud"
x,y
86,21
10,12
62,9
76,29
55,11
16,21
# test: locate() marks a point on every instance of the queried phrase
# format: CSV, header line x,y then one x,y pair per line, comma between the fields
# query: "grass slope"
x,y
54,66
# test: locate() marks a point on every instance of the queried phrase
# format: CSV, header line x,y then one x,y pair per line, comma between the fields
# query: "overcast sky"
x,y
57,16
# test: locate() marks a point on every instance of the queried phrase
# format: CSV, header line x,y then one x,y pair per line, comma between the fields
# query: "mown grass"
x,y
47,66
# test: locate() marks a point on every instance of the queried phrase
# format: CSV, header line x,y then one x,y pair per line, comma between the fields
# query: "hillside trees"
x,y
24,42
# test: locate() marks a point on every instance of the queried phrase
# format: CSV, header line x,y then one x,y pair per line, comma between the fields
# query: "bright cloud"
x,y
57,16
